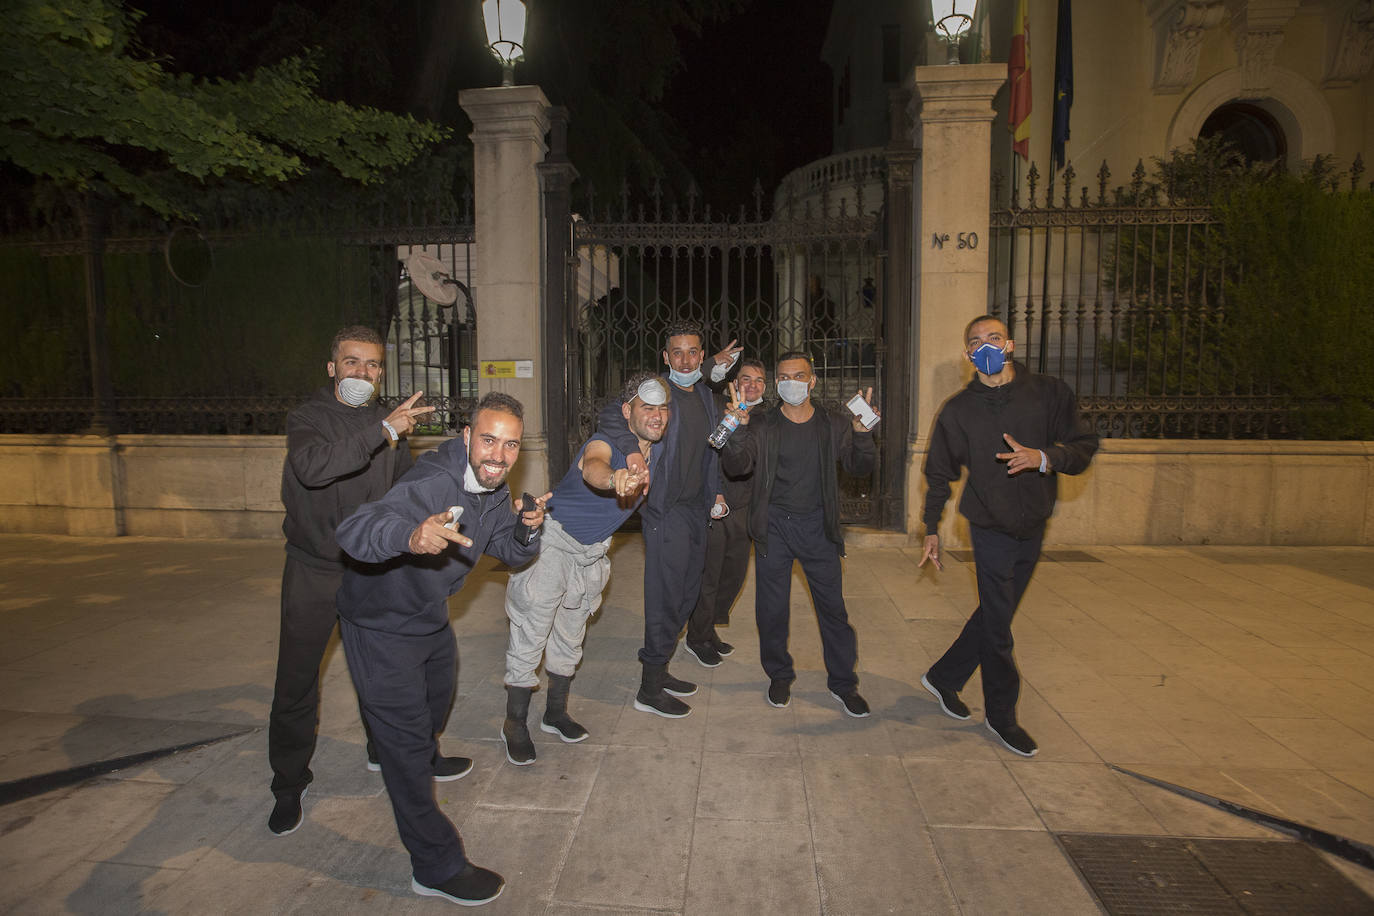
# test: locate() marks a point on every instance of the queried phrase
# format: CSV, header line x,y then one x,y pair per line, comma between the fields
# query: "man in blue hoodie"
x,y
414,548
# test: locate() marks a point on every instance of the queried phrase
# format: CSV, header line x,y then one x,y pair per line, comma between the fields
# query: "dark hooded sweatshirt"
x,y
337,458
1039,412
393,590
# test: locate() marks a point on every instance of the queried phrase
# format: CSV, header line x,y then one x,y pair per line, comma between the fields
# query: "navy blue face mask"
x,y
989,359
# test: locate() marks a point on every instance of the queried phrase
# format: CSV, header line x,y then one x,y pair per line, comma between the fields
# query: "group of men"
x,y
380,545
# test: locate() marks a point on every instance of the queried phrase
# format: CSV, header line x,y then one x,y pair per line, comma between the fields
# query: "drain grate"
x,y
1143,876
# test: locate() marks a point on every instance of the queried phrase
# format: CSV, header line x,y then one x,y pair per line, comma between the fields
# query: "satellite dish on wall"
x,y
427,274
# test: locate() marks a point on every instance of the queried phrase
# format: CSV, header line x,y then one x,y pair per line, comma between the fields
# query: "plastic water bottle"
x,y
728,424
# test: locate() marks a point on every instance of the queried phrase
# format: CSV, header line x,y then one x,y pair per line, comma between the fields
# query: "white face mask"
x,y
355,392
793,391
684,379
757,400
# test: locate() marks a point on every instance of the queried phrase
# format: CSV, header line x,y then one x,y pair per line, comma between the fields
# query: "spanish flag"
x,y
1019,76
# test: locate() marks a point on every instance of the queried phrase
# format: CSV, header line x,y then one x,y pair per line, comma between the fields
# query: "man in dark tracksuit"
x,y
727,540
1009,495
795,515
342,450
674,515
414,548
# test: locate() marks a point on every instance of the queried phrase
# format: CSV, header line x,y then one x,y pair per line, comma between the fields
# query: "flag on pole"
x,y
1063,86
1019,76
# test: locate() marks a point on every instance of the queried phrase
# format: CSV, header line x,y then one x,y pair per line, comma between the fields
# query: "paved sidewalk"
x,y
1247,673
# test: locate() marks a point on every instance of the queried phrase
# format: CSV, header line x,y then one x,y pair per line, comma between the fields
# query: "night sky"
x,y
751,102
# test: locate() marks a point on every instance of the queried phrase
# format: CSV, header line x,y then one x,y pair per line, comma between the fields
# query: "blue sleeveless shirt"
x,y
590,516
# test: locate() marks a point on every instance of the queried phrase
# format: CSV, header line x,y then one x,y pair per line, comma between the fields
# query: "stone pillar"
x,y
952,129
509,124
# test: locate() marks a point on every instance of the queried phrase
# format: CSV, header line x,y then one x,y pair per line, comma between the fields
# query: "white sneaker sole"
x,y
935,693
424,891
553,730
1002,741
777,705
645,707
456,776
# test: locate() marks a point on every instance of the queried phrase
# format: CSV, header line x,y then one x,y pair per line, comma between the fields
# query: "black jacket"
x,y
1039,412
393,590
611,424
754,449
337,458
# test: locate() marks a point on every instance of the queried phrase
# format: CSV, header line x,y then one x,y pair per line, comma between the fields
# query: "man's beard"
x,y
487,480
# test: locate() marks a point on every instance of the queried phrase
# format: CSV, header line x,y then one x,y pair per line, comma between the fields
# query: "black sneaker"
x,y
373,764
447,769
854,705
287,814
949,700
678,687
1015,739
473,886
780,693
723,648
662,704
705,653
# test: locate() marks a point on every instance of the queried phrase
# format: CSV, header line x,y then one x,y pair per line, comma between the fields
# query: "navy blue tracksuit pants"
x,y
802,537
674,557
405,685
1004,565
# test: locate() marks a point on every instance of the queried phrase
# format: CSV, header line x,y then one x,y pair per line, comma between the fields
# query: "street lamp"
x,y
505,20
952,19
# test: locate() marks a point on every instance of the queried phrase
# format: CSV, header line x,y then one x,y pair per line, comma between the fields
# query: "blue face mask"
x,y
988,359
684,379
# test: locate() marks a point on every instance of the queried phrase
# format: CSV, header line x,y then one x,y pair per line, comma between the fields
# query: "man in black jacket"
x,y
727,539
342,450
414,548
1009,495
794,514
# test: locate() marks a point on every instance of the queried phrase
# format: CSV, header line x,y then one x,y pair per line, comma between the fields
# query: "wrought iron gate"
x,y
795,281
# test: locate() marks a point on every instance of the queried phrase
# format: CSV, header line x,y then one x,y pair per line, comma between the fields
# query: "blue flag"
x,y
1063,86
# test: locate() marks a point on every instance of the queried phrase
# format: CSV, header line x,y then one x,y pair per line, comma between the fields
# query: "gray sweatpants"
x,y
549,602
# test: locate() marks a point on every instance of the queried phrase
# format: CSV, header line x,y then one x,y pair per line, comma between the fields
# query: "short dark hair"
x,y
631,386
753,363
356,332
981,318
499,400
681,327
797,354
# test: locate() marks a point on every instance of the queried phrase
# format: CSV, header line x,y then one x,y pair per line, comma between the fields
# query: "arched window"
x,y
1250,129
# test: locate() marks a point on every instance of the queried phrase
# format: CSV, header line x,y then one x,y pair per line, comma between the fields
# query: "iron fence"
x,y
1124,298
223,327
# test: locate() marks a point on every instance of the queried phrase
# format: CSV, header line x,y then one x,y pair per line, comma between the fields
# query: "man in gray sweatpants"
x,y
550,601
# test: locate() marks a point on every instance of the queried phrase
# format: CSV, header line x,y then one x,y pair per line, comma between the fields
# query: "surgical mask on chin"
x,y
989,359
471,484
793,391
754,403
355,392
684,379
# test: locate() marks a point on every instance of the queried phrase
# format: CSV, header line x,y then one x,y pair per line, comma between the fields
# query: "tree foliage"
x,y
83,106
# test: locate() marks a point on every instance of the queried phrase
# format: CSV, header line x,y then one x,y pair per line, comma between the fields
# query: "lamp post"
x,y
505,21
952,20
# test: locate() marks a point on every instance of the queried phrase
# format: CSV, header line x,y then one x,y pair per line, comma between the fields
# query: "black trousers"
x,y
802,537
727,563
405,685
674,554
307,621
1004,565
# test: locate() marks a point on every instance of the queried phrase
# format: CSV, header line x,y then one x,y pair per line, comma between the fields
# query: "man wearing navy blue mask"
x,y
1009,495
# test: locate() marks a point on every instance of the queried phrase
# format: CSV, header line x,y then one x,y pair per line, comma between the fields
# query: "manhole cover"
x,y
1151,875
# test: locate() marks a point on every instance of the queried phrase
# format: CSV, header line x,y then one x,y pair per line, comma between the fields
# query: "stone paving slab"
x,y
1247,673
